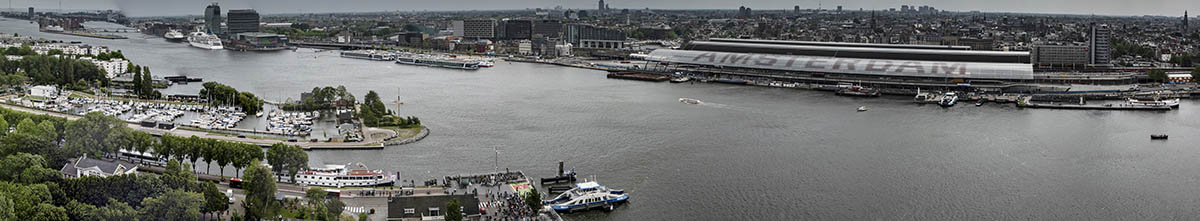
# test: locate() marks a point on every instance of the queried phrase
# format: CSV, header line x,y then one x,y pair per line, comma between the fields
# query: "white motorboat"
x,y
174,35
689,101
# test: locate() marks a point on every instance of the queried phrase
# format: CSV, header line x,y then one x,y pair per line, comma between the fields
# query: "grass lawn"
x,y
405,133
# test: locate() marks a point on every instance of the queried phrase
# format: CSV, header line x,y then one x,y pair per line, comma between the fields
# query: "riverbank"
x,y
368,143
406,135
87,34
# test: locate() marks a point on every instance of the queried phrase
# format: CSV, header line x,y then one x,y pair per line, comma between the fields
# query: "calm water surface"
x,y
747,152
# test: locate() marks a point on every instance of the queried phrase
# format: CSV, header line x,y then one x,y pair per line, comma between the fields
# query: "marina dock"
x,y
1025,102
638,76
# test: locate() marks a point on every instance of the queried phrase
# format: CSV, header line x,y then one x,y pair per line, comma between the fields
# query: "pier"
x,y
1025,102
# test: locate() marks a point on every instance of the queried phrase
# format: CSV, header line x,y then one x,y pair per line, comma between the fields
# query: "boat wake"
x,y
697,102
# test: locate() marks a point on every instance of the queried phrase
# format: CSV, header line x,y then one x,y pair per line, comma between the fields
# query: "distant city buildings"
x,y
744,12
242,20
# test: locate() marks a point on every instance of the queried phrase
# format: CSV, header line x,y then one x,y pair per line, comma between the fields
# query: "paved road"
x,y
368,142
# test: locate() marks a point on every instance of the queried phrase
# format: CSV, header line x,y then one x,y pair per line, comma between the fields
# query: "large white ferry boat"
x,y
437,61
174,35
205,41
1173,103
343,176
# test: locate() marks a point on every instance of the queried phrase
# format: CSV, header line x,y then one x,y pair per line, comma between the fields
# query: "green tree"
x,y
287,158
260,192
1195,78
249,103
13,165
46,211
114,210
195,149
363,217
208,152
533,200
214,200
334,207
177,175
174,205
1158,75
90,133
7,208
453,211
224,155
3,126
316,197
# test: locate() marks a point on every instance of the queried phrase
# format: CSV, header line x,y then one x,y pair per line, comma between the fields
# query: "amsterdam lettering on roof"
x,y
941,69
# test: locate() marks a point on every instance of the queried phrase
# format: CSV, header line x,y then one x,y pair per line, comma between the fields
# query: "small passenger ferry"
x,y
587,195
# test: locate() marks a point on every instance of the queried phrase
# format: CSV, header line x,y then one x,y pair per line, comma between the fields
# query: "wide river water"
x,y
747,152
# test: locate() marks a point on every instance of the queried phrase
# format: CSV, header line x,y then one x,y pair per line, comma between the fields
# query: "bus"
x,y
235,183
143,158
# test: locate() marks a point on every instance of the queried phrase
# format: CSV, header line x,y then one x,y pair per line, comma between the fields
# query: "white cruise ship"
x,y
205,41
344,176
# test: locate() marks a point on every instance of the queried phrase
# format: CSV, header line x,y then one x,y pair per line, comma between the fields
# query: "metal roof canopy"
x,y
842,44
821,64
863,52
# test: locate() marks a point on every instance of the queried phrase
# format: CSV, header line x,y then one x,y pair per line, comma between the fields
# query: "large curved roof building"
x,y
917,61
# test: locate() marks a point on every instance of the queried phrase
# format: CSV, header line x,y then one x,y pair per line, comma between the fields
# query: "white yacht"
x,y
343,176
205,41
174,35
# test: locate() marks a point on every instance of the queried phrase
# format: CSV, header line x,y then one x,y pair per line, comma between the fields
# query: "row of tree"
x,y
143,83
220,94
50,70
1159,75
31,189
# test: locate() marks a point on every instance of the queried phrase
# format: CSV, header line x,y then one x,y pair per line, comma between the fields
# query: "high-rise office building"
x,y
1057,56
603,6
212,18
587,36
31,12
518,29
1098,42
242,20
548,28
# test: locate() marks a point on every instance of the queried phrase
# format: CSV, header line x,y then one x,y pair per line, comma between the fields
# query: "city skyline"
x,y
139,8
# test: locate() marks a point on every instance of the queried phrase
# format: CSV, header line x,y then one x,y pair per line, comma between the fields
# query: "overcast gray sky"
x,y
196,7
